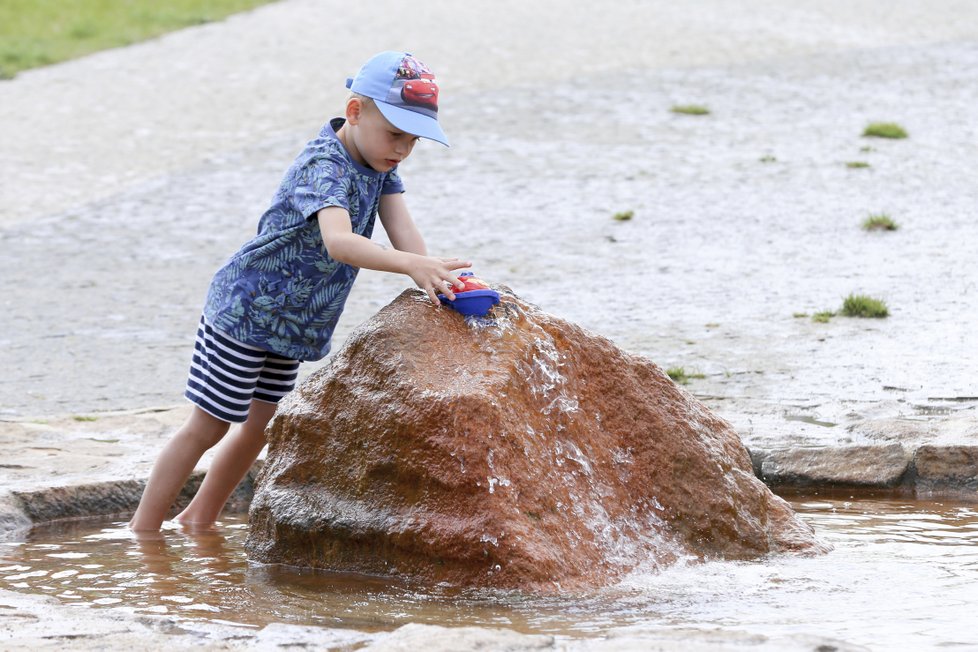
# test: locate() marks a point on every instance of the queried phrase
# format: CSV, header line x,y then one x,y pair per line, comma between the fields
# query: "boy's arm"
x,y
431,274
400,228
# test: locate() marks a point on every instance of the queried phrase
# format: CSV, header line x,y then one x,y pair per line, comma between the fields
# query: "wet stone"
x,y
847,466
946,467
515,451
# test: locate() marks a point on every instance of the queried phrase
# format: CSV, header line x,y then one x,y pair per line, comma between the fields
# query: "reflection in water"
x,y
902,573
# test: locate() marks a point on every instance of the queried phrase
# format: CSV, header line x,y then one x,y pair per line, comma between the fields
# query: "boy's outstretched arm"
x,y
400,228
431,274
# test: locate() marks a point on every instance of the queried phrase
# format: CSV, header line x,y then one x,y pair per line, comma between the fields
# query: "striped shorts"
x,y
225,375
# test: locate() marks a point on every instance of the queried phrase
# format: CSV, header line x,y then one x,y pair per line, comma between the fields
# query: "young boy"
x,y
276,302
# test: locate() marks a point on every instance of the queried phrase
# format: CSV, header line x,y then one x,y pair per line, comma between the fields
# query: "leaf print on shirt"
x,y
282,291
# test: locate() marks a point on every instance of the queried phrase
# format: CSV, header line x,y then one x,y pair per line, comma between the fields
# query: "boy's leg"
x,y
174,465
231,463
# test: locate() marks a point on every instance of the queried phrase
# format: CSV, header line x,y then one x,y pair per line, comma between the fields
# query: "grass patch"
x,y
623,216
823,317
857,164
860,305
767,159
679,375
690,109
79,417
799,315
879,222
41,32
884,130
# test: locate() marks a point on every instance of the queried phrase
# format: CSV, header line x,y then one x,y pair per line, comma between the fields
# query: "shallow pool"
x,y
903,575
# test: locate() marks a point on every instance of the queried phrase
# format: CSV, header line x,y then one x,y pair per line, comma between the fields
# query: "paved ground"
x,y
128,176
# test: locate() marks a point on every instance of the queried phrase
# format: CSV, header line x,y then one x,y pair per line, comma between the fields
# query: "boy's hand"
x,y
434,275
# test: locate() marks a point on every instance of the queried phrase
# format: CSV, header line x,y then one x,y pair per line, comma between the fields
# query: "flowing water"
x,y
902,575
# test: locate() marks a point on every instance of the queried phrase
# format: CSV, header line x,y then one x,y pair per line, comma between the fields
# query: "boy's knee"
x,y
206,429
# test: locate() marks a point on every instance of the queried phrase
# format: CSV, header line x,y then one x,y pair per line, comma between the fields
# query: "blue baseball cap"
x,y
404,90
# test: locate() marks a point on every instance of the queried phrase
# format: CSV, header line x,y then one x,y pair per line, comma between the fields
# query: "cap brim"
x,y
413,123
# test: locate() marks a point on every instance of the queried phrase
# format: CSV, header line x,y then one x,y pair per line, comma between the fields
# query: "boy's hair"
x,y
367,101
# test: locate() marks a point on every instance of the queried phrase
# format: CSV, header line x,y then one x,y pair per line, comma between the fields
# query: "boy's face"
x,y
373,140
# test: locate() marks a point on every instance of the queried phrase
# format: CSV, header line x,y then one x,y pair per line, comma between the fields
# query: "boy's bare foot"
x,y
192,521
146,534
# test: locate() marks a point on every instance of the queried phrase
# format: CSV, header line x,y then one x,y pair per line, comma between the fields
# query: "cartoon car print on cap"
x,y
411,68
421,92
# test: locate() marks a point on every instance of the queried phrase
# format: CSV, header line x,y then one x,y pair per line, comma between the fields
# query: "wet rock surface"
x,y
849,466
947,469
517,450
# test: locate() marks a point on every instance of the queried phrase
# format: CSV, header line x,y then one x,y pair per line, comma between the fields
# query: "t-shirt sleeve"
x,y
320,183
392,183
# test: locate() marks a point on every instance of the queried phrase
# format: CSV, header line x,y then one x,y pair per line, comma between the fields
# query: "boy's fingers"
x,y
450,281
447,289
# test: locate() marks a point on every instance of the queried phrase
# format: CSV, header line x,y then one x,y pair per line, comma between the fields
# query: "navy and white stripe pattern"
x,y
225,375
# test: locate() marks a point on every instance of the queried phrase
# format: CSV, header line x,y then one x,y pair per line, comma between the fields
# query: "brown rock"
x,y
514,451
947,468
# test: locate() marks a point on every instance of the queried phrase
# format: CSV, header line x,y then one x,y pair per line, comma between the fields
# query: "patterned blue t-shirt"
x,y
282,291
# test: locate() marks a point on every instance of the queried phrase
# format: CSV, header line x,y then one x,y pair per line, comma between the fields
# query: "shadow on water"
x,y
906,571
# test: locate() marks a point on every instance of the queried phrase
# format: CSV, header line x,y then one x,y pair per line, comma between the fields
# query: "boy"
x,y
276,302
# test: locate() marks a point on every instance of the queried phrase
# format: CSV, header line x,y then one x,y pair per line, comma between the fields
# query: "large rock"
x,y
512,451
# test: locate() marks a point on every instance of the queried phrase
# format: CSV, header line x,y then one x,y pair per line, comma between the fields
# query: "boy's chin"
x,y
381,166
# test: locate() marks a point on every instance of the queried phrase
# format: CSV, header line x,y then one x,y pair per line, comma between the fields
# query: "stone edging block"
x,y
852,466
942,466
950,470
21,510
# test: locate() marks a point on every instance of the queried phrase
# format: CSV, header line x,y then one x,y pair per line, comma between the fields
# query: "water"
x,y
902,575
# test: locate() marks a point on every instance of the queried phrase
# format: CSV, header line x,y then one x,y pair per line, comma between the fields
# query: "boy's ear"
x,y
354,107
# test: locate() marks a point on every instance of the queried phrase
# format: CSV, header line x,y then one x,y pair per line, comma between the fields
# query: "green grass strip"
x,y
690,109
884,130
860,305
880,222
679,375
41,32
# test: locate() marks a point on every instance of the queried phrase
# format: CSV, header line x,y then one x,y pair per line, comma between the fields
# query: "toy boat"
x,y
476,299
